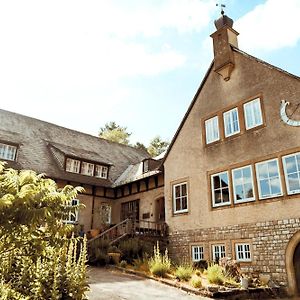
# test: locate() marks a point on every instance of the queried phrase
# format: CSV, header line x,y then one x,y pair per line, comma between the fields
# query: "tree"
x,y
140,146
39,257
115,133
157,146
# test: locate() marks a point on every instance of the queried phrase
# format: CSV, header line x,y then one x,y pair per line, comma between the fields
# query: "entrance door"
x,y
296,261
160,210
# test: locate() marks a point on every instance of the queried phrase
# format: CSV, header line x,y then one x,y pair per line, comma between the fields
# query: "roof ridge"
x,y
74,130
264,62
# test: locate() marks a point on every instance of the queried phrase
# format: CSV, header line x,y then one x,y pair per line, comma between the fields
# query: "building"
x,y
115,178
232,171
228,185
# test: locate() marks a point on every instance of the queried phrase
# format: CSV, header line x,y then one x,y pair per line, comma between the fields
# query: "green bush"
x,y
39,257
134,248
184,273
123,263
159,265
215,274
196,282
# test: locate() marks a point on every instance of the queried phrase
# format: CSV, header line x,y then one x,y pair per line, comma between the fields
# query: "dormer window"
x,y
87,168
8,152
72,165
101,171
145,166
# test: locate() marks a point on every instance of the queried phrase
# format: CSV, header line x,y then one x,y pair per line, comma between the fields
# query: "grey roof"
x,y
133,173
43,147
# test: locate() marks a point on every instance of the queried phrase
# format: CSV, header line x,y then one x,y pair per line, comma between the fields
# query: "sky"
x,y
81,64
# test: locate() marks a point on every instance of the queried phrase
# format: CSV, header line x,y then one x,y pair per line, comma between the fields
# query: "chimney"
x,y
223,39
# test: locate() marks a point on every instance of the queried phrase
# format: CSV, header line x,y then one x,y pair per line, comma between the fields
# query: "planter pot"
x,y
264,279
115,256
244,283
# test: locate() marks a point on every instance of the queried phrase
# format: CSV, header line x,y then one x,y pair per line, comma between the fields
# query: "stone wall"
x,y
268,239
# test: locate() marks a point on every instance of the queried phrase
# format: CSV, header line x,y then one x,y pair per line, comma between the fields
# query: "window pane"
x,y
265,188
224,179
239,192
183,190
291,164
253,115
216,182
293,181
225,194
275,186
212,130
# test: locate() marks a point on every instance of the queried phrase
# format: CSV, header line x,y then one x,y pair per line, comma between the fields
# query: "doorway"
x,y
160,210
296,263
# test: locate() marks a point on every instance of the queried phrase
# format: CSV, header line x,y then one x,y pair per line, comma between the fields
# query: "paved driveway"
x,y
115,285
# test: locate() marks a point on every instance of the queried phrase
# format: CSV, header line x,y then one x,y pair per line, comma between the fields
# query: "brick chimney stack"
x,y
223,39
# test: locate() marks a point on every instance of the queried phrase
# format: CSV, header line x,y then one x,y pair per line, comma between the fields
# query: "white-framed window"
x,y
220,189
212,130
253,113
243,184
72,165
73,215
180,198
8,152
291,165
87,168
231,122
101,171
105,213
218,251
268,179
197,253
242,252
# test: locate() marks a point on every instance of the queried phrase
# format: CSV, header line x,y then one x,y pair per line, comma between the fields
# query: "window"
x,y
268,179
72,165
101,171
130,210
243,184
87,168
212,130
231,122
253,114
197,253
180,198
291,164
8,152
242,252
218,252
73,215
220,189
105,213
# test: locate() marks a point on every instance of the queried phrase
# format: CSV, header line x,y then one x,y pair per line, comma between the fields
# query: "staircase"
x,y
126,229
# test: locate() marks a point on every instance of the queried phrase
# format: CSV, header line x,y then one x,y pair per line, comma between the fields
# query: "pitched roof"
x,y
203,82
43,147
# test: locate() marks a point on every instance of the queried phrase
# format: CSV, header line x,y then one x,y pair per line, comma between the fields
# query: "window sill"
x,y
180,213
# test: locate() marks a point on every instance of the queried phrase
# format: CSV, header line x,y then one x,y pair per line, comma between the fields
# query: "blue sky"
x,y
80,64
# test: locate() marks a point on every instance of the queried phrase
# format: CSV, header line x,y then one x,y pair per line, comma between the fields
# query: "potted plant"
x,y
114,253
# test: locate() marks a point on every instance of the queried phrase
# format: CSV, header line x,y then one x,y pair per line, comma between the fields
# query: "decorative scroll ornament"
x,y
284,116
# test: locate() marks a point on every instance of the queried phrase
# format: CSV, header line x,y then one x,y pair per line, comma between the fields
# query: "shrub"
x,y
196,282
141,264
39,256
123,263
101,257
184,272
215,274
198,273
201,265
134,248
159,265
231,267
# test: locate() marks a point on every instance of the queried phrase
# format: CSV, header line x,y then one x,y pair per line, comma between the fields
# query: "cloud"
x,y
270,26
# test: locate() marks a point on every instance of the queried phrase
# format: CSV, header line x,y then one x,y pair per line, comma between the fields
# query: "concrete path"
x,y
115,285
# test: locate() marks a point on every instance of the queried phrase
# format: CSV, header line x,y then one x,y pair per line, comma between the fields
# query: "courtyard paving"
x,y
115,285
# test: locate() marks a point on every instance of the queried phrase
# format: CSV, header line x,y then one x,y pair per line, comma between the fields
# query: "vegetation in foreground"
x,y
39,256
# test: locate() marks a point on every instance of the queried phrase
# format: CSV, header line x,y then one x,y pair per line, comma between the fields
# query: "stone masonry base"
x,y
268,241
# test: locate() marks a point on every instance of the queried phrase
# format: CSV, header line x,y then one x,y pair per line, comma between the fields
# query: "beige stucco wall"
x,y
147,203
190,160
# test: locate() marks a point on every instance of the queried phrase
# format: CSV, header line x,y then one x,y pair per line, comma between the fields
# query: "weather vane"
x,y
221,6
